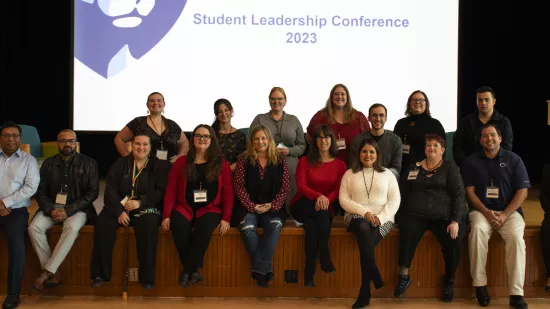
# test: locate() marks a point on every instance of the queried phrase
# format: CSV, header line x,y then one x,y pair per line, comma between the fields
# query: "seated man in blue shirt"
x,y
496,184
19,178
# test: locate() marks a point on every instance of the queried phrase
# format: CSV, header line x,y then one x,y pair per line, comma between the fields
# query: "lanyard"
x,y
136,173
279,133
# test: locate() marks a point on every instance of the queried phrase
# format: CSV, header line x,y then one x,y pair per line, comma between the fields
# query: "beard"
x,y
67,151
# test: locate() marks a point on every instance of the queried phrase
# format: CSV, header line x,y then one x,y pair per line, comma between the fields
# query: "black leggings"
x,y
367,238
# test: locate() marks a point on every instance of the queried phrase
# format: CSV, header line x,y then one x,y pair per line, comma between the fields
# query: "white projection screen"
x,y
197,51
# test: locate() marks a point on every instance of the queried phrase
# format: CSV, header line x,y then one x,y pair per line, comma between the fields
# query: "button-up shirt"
x,y
19,179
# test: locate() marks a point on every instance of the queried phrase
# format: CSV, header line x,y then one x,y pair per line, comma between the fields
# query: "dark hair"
x,y
375,105
313,156
11,124
153,93
408,107
213,157
434,137
483,89
216,124
356,164
142,134
488,125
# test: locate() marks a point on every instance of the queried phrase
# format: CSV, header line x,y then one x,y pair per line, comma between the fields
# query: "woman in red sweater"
x,y
318,179
343,119
199,194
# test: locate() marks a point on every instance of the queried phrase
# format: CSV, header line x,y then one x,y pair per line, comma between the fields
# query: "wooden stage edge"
x,y
226,269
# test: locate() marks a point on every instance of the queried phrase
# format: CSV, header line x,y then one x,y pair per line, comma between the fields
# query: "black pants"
x,y
192,237
14,226
146,233
545,238
316,228
411,229
367,238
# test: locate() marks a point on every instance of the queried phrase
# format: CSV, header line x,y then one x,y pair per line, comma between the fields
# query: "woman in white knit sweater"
x,y
370,196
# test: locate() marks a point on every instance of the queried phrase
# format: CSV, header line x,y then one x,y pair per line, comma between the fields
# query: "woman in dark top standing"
x,y
413,129
432,198
262,183
168,142
134,193
199,197
232,141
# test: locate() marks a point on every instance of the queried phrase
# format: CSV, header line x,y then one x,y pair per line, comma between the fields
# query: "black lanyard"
x,y
279,133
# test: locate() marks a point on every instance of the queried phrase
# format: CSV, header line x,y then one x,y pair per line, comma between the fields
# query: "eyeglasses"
x,y
66,141
418,100
326,138
14,136
277,99
204,137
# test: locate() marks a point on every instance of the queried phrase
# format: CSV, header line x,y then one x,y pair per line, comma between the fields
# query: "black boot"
x,y
364,297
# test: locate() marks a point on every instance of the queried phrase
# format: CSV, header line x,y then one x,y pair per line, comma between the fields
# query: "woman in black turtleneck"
x,y
413,129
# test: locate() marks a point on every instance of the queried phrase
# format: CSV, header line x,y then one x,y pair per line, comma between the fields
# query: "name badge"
x,y
412,175
341,143
61,198
162,154
124,200
199,196
406,149
492,192
281,146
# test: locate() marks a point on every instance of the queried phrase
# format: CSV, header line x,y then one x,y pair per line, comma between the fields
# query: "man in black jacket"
x,y
69,185
466,138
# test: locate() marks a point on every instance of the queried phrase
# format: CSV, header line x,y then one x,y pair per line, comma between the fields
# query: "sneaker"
x,y
402,284
517,302
482,296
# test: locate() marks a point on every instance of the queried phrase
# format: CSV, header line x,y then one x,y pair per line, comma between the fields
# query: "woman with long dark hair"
x,y
318,179
232,141
199,197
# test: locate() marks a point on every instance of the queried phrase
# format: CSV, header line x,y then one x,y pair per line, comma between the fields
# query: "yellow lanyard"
x,y
136,173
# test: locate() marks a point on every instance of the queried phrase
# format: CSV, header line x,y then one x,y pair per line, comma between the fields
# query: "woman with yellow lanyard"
x,y
134,194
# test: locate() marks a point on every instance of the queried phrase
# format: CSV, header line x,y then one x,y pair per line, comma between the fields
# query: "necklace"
x,y
156,130
371,182
434,168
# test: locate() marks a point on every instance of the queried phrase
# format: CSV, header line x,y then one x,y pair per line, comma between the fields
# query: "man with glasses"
x,y
466,138
19,178
68,187
389,143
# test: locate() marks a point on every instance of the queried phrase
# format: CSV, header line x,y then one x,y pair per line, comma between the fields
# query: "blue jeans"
x,y
259,249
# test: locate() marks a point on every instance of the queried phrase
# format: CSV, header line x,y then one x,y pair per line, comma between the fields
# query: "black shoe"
x,y
402,284
147,286
482,295
11,301
183,279
98,281
326,263
447,290
262,280
517,302
270,276
364,298
196,277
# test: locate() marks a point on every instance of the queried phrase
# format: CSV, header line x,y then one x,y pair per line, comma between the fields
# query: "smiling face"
x,y
260,142
339,97
277,101
155,103
378,117
368,155
490,140
224,114
417,104
201,139
323,142
141,147
434,150
10,140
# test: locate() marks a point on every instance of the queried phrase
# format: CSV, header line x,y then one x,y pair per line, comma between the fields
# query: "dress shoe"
x,y
518,302
482,296
54,281
39,282
364,297
11,301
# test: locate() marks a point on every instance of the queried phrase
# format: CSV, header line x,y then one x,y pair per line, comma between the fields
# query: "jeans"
x,y
260,250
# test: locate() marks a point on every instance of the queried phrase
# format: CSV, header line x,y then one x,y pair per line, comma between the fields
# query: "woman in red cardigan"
x,y
345,121
318,179
199,193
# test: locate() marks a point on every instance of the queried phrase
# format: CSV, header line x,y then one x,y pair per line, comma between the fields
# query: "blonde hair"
x,y
349,111
281,90
252,155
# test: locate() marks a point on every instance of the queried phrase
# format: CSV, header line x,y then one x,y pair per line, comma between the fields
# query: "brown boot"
x,y
39,282
54,281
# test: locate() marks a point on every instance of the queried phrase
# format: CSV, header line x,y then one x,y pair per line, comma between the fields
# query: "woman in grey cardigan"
x,y
287,132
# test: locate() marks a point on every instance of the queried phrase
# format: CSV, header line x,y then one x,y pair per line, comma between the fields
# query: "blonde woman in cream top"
x,y
370,196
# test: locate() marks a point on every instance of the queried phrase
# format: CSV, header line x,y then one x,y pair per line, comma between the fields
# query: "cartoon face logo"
x,y
110,34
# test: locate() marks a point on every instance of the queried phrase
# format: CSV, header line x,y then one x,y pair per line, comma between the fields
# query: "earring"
x,y
147,112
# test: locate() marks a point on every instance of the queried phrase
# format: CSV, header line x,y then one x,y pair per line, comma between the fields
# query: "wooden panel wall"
x,y
227,268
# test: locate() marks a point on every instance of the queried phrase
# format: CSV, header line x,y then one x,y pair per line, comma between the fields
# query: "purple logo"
x,y
110,34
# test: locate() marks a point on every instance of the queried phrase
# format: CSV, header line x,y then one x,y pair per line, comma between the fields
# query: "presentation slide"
x,y
197,51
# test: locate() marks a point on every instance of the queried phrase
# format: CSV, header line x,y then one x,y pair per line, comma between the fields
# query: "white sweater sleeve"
x,y
345,197
394,199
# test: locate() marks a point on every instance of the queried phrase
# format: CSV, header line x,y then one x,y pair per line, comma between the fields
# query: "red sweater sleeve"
x,y
228,196
173,185
240,190
280,198
301,181
364,125
333,195
313,123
